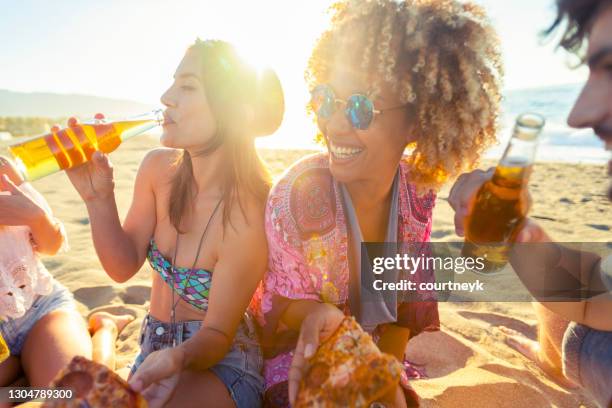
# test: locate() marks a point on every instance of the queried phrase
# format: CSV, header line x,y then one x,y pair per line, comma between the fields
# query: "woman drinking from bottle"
x,y
197,218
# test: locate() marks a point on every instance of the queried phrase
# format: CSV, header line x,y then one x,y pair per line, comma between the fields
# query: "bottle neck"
x,y
134,128
137,125
519,153
521,149
514,168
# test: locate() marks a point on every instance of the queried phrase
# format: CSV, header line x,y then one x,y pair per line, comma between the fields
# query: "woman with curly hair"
x,y
387,75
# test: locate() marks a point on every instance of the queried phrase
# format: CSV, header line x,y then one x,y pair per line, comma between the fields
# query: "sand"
x,y
467,362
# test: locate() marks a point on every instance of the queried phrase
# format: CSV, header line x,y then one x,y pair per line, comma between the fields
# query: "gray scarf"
x,y
377,307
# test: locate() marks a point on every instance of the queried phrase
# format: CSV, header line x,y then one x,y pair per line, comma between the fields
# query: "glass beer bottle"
x,y
40,156
501,203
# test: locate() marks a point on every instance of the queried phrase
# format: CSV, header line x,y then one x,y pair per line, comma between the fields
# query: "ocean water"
x,y
558,142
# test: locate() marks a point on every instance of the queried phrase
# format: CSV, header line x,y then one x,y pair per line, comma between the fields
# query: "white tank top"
x,y
23,277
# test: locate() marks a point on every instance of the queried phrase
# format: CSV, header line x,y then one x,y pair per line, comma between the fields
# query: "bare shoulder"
x,y
246,226
160,158
244,243
159,163
8,167
249,213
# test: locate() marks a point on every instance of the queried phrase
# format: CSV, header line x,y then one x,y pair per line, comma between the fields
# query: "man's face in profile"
x,y
594,105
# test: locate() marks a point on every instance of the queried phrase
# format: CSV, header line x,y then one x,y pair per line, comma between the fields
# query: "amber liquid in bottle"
x,y
501,204
74,145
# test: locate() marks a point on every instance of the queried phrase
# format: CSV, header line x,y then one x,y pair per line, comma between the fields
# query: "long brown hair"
x,y
245,104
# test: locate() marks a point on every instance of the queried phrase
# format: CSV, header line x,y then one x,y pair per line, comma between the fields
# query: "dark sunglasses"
x,y
359,109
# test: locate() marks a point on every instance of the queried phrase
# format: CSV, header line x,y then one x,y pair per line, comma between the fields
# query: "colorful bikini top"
x,y
192,285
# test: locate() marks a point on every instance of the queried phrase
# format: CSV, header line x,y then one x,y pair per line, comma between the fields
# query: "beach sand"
x,y
467,362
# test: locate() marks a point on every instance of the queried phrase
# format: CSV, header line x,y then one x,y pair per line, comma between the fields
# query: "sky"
x,y
130,49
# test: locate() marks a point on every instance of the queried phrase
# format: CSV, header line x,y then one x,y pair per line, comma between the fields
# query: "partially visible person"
x,y
386,75
38,316
197,217
574,338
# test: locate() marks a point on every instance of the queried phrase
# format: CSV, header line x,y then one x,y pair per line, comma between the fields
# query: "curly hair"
x,y
443,59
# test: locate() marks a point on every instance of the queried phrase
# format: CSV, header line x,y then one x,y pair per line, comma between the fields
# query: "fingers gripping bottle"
x,y
40,156
502,203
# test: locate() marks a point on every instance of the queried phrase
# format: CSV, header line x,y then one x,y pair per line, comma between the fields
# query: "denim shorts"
x,y
15,331
587,361
240,369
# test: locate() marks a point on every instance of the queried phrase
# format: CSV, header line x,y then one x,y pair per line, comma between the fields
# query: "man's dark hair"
x,y
579,15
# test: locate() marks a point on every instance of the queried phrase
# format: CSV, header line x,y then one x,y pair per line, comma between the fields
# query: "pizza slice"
x,y
94,385
348,370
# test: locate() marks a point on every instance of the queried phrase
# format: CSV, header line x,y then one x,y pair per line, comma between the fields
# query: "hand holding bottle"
x,y
94,179
501,205
62,149
463,194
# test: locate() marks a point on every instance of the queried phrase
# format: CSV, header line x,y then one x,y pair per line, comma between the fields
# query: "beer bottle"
x,y
501,203
40,156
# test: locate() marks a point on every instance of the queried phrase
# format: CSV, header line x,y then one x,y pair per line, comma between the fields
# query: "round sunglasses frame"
x,y
351,105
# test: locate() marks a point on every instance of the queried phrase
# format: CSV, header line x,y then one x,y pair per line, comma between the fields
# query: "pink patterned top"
x,y
308,243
